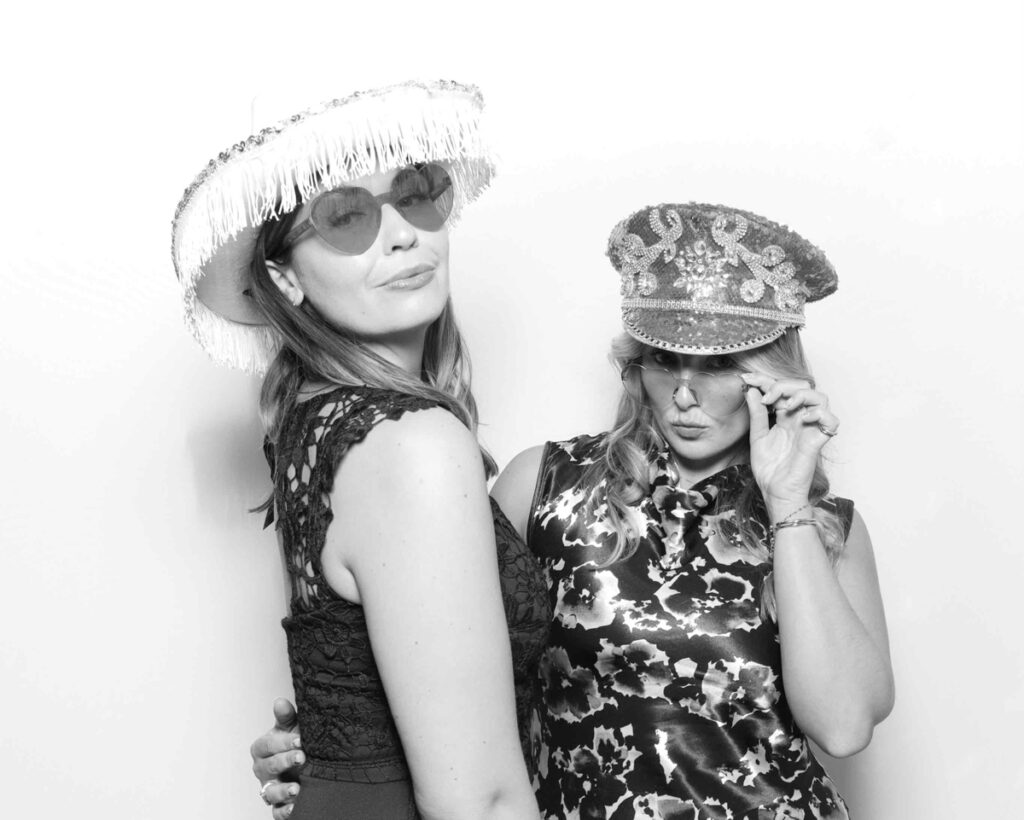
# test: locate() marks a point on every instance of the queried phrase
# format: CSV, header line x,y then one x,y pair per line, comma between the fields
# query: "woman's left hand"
x,y
783,456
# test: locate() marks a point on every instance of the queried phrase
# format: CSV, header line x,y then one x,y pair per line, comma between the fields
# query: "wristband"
x,y
796,522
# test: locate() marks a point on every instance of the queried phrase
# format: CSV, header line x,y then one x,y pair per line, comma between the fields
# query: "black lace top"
x,y
347,730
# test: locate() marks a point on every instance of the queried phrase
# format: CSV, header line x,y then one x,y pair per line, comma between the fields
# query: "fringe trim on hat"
x,y
275,170
250,348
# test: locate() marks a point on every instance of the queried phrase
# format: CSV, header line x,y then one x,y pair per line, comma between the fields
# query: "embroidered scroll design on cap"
x,y
769,267
702,269
636,257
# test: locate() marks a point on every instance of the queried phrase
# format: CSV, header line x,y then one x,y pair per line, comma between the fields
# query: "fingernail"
x,y
288,811
300,759
293,790
297,743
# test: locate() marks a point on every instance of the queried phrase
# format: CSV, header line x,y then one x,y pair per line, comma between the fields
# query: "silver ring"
x,y
828,431
263,792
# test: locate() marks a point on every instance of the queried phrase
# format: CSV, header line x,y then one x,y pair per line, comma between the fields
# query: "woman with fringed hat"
x,y
316,252
714,605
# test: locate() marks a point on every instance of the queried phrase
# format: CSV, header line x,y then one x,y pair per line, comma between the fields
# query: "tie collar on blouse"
x,y
675,513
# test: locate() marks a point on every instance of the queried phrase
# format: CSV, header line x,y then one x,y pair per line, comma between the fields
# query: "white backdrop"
x,y
141,647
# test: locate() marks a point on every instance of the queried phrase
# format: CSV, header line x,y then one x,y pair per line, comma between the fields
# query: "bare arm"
x,y
514,488
835,650
413,540
274,753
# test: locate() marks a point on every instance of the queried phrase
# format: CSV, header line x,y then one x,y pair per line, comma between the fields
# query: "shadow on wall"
x,y
851,777
230,473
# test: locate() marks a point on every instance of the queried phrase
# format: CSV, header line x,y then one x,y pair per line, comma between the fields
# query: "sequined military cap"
x,y
705,279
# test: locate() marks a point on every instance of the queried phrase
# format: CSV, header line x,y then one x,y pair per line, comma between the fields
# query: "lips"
x,y
687,425
410,275
689,431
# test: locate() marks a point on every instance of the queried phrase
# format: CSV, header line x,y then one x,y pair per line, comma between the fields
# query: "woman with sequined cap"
x,y
715,606
316,252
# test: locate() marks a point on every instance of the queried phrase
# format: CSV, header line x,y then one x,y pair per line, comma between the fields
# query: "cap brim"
x,y
700,334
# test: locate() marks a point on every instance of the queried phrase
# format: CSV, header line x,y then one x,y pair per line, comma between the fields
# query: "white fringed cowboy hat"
x,y
273,171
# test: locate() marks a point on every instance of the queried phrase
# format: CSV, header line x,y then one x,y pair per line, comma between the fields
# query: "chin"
x,y
703,449
688,451
409,322
423,304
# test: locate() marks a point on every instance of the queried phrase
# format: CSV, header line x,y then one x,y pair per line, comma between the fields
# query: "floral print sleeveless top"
x,y
662,682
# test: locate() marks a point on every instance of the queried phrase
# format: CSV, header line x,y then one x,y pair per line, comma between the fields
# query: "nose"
x,y
396,232
683,397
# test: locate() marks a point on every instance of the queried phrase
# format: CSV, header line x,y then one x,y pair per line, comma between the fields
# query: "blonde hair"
x,y
313,349
633,442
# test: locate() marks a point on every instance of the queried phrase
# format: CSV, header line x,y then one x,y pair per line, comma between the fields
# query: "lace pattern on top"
x,y
347,729
313,441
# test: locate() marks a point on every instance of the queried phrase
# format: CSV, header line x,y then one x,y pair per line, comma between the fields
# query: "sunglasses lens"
x,y
721,394
423,196
348,219
718,394
631,376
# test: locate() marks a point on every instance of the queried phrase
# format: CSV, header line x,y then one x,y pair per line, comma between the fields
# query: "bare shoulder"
x,y
420,428
405,466
514,488
858,546
412,481
857,525
421,445
521,470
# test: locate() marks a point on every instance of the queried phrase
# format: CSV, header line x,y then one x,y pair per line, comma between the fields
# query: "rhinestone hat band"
x,y
695,306
707,278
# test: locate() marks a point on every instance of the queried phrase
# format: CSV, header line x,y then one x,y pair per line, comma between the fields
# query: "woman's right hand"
x,y
276,758
784,456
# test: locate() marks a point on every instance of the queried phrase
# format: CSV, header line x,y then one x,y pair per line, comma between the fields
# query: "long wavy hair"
x,y
633,443
313,349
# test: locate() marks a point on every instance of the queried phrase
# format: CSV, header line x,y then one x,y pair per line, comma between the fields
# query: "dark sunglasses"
x,y
348,219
